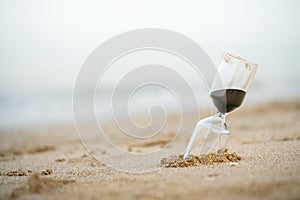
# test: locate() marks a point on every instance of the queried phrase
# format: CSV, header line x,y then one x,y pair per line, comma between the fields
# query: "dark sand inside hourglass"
x,y
226,100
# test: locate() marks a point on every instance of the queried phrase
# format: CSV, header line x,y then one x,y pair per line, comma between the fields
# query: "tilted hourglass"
x,y
227,93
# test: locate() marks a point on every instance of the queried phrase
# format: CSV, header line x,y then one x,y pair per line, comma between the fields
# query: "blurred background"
x,y
44,44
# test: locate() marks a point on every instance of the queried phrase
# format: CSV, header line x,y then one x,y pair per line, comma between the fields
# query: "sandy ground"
x,y
51,163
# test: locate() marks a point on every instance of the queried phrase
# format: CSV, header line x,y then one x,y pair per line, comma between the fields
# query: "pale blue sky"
x,y
44,43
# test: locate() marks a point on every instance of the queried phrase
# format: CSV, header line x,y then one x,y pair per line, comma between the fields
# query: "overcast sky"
x,y
44,43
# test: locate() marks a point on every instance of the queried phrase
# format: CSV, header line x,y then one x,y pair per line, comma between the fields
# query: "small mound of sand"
x,y
209,159
37,184
85,159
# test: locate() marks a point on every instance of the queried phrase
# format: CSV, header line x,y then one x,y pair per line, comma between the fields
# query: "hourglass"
x,y
227,93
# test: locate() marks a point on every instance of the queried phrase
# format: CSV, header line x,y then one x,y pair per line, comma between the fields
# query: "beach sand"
x,y
49,162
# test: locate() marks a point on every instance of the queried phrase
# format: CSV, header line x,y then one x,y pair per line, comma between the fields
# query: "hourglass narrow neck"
x,y
220,114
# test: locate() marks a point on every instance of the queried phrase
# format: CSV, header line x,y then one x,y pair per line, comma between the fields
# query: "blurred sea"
x,y
55,107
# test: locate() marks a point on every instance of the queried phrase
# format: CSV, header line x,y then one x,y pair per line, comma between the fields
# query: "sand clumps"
x,y
17,172
209,159
46,172
24,172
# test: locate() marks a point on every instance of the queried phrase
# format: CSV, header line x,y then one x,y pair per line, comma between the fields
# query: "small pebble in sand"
x,y
233,164
60,160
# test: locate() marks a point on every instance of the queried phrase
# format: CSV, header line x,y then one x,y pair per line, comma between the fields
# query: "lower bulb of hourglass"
x,y
209,135
215,143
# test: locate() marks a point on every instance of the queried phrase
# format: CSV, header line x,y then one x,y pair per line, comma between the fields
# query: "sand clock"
x,y
227,93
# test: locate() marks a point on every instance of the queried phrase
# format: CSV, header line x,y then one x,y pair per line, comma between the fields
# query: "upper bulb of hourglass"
x,y
231,83
227,100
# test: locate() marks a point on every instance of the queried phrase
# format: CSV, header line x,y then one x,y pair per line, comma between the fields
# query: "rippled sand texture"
x,y
51,163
